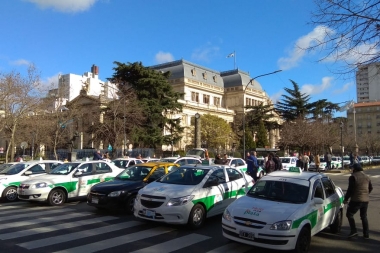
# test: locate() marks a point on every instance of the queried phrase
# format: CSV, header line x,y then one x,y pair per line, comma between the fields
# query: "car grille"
x,y
97,193
151,204
24,186
249,222
150,201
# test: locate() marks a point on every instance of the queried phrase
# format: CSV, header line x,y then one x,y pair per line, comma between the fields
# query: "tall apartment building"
x,y
368,83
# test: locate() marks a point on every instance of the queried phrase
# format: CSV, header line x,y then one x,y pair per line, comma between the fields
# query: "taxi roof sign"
x,y
295,169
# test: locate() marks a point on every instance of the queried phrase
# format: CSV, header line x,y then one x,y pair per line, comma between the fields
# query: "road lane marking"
x,y
174,244
56,227
117,241
78,235
31,214
231,247
42,220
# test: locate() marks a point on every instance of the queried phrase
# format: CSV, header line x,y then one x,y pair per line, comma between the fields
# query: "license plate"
x,y
247,235
94,200
150,213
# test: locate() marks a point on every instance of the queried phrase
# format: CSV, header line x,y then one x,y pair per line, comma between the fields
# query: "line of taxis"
x,y
282,210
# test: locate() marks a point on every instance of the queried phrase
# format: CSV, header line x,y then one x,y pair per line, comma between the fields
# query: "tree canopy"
x,y
157,99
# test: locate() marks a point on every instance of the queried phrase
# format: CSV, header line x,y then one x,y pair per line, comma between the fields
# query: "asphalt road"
x,y
76,227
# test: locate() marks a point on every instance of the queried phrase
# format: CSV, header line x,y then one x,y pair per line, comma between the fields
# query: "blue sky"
x,y
62,37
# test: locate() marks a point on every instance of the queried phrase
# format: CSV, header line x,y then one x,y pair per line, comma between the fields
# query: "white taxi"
x,y
69,180
284,209
11,177
190,194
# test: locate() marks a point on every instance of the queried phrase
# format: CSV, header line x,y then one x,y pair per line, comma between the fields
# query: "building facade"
x,y
368,83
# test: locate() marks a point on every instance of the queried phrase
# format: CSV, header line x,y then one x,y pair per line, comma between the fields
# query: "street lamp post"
x,y
341,141
250,81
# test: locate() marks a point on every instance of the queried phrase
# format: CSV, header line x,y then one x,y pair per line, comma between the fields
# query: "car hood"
x,y
117,185
262,210
168,190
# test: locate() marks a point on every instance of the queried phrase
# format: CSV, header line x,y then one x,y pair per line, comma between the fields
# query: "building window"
x,y
206,99
204,75
194,96
215,78
193,72
216,101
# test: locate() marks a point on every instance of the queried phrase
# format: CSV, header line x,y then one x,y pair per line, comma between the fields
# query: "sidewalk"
x,y
349,170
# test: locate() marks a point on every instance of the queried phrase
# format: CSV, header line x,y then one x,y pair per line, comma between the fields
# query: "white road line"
x,y
13,204
78,235
47,229
376,176
31,214
42,220
117,241
174,244
26,209
231,247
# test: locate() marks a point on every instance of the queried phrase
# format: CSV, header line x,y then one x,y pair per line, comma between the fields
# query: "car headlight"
x,y
38,185
115,194
281,225
180,201
227,215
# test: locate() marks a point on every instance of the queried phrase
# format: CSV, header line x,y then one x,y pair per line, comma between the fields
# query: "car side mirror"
x,y
78,173
318,201
28,173
211,183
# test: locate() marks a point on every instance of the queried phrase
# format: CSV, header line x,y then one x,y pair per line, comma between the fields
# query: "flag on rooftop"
x,y
231,55
348,105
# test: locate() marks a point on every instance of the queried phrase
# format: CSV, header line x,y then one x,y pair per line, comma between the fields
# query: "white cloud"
x,y
48,83
205,53
299,50
162,57
361,53
345,88
310,89
20,62
64,5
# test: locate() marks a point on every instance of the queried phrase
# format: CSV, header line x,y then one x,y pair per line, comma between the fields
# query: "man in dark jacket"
x,y
359,188
97,155
252,165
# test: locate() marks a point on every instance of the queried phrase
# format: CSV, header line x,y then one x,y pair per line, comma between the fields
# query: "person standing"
x,y
299,162
97,155
276,162
317,162
359,188
306,161
225,159
218,160
252,165
328,159
270,165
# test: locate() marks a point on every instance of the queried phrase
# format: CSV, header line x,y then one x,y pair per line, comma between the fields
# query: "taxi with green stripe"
x,y
191,193
67,181
284,209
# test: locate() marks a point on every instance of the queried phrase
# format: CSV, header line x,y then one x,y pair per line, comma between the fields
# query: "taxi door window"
x,y
233,174
38,169
86,169
234,163
131,163
182,162
318,190
171,168
53,165
328,186
192,161
240,162
101,168
219,175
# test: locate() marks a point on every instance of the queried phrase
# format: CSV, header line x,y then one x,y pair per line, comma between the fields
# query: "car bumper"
x,y
166,214
40,194
264,237
103,201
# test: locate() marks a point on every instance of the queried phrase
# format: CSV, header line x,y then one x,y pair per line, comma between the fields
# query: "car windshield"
x,y
134,173
64,169
322,159
5,166
279,191
168,160
285,160
185,176
14,169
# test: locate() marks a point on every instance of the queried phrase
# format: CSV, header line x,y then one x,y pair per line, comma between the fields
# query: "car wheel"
x,y
337,225
303,241
57,197
10,194
130,204
197,216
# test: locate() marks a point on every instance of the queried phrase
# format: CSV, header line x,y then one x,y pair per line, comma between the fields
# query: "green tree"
x,y
215,131
257,114
262,137
156,98
295,105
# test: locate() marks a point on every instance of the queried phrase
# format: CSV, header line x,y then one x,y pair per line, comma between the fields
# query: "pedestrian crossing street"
x,y
28,227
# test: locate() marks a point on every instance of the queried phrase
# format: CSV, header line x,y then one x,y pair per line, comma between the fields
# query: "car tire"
x,y
56,197
197,216
10,194
129,206
303,241
337,224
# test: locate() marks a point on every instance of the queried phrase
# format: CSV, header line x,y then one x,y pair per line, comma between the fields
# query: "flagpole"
x,y
234,60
